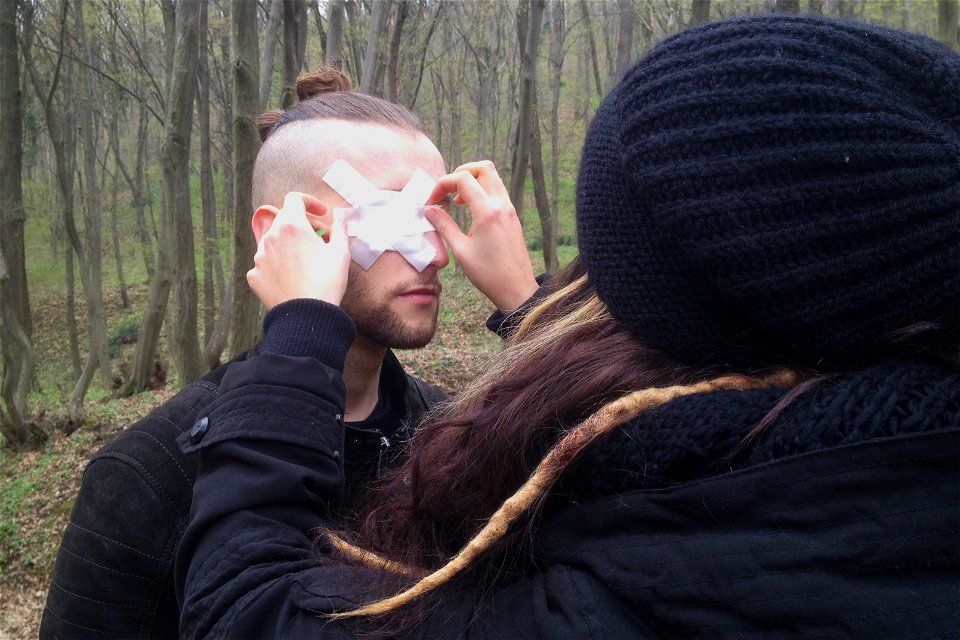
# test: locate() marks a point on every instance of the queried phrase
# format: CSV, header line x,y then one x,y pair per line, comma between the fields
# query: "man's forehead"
x,y
385,156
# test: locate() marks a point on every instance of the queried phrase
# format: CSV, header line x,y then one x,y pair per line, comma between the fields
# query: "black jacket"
x,y
113,576
843,523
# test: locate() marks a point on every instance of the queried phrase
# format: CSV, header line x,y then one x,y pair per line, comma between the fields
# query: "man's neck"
x,y
361,375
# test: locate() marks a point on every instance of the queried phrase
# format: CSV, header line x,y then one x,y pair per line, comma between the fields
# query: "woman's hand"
x,y
492,253
293,261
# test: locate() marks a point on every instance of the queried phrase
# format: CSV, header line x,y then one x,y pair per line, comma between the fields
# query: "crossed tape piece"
x,y
382,220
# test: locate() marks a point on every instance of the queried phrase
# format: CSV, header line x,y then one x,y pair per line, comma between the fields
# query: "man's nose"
x,y
442,259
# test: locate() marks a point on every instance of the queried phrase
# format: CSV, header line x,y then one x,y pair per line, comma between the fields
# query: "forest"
x,y
127,141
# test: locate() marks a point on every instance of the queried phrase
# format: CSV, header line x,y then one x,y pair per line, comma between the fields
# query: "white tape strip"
x,y
383,220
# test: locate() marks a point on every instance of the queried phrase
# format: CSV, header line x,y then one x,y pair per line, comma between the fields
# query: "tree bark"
x,y
354,36
18,365
269,50
588,26
700,12
294,46
948,23
15,318
411,101
393,53
18,370
628,19
528,94
333,47
73,332
12,213
115,236
246,142
369,72
212,288
787,6
175,171
92,270
557,49
548,218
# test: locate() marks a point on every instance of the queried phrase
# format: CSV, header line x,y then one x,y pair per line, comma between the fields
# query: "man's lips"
x,y
423,294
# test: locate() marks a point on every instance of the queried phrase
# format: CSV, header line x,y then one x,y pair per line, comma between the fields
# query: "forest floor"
x,y
38,486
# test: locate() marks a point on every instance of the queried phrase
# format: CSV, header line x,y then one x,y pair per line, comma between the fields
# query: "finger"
x,y
294,211
486,174
316,212
448,228
468,191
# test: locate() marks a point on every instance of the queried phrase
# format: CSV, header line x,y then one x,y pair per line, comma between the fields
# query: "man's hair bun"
x,y
328,94
307,85
323,80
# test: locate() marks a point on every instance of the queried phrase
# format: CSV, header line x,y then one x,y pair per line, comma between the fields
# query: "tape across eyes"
x,y
383,220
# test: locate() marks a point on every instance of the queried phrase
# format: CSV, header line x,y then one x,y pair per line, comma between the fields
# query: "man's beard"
x,y
374,319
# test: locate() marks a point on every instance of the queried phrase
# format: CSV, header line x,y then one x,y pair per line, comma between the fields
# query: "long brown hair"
x,y
484,463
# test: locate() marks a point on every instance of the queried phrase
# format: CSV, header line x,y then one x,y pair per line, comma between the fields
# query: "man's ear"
x,y
262,220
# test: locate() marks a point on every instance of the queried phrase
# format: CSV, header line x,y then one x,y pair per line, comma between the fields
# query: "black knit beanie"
x,y
778,190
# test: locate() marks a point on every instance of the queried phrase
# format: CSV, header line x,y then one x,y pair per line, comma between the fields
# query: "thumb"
x,y
447,227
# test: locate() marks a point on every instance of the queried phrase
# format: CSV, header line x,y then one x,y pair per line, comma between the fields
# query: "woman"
x,y
738,414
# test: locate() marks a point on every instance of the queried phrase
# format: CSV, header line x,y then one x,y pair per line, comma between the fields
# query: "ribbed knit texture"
x,y
690,437
305,327
778,189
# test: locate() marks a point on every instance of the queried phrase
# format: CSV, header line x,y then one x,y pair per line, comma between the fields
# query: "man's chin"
x,y
392,333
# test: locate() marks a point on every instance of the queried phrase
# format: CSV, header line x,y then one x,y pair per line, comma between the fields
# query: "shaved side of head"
x,y
293,159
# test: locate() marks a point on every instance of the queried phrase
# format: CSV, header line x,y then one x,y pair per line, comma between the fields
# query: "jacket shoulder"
x,y
860,539
113,572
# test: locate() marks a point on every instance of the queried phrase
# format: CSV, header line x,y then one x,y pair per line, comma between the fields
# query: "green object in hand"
x,y
321,231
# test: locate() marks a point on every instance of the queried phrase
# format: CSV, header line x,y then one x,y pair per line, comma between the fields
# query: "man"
x,y
114,570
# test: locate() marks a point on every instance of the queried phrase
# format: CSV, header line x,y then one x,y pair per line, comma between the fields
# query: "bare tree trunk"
x,y
15,347
948,23
355,36
18,366
226,54
815,6
246,142
92,272
548,218
557,36
628,19
368,74
334,44
12,214
175,171
452,89
585,11
269,49
73,331
211,251
787,6
528,94
115,234
294,46
135,182
700,12
318,19
393,54
425,45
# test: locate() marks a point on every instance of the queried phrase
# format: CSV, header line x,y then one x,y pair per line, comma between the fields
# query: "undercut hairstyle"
x,y
288,159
